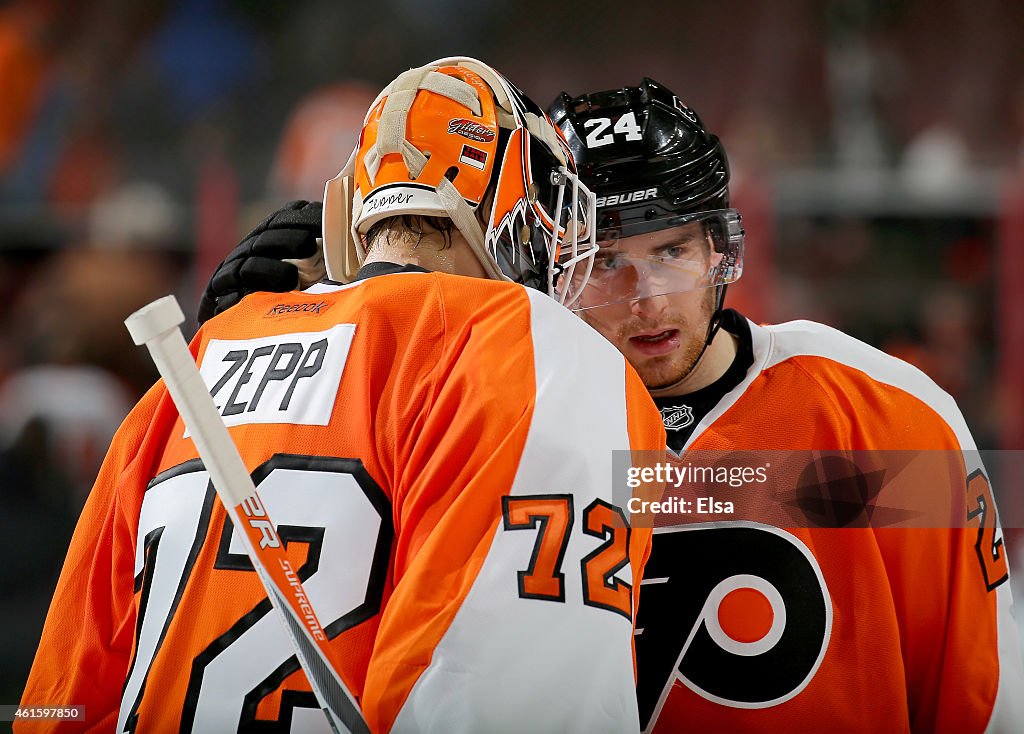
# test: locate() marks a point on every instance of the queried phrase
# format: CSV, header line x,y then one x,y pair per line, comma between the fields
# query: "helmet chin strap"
x,y
713,325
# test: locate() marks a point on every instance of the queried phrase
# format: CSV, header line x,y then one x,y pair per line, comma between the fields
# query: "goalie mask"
x,y
455,139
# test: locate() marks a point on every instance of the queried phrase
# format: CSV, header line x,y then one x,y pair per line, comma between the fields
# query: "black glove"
x,y
257,262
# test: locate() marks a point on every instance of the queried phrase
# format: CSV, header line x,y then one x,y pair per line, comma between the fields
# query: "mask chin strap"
x,y
713,327
466,222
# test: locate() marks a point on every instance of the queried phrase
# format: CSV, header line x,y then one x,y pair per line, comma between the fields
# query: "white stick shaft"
x,y
157,326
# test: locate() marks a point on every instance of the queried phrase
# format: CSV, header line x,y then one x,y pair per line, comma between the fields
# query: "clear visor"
x,y
672,254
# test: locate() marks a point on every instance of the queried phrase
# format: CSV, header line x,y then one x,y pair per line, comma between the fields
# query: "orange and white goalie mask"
x,y
455,139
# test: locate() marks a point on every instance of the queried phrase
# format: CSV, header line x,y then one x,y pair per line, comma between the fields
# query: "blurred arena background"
x,y
877,147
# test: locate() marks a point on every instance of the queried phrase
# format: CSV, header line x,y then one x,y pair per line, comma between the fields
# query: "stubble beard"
x,y
663,372
666,370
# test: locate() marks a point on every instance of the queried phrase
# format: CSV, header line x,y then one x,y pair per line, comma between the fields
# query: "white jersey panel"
x,y
540,665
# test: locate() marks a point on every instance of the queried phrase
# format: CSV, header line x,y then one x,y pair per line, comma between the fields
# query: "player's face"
x,y
659,303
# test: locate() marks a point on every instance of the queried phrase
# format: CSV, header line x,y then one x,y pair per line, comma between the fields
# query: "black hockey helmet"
x,y
644,153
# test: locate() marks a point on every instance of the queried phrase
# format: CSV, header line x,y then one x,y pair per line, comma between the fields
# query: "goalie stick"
x,y
156,327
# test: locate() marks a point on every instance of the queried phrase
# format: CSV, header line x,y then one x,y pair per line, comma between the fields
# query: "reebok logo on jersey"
x,y
291,378
677,417
283,309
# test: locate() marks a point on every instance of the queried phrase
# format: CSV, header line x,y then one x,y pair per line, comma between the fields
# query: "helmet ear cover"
x,y
446,140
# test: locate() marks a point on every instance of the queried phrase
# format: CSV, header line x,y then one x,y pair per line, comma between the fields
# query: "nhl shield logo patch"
x,y
677,417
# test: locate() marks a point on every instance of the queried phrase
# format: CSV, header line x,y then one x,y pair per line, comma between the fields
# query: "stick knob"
x,y
154,320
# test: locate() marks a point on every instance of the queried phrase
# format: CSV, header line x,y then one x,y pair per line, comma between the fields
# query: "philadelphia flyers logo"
x,y
738,613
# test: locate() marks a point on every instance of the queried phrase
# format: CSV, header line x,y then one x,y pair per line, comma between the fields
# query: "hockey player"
x,y
426,443
800,629
751,626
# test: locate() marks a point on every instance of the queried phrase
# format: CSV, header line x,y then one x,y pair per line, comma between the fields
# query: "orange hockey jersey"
x,y
748,627
431,451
